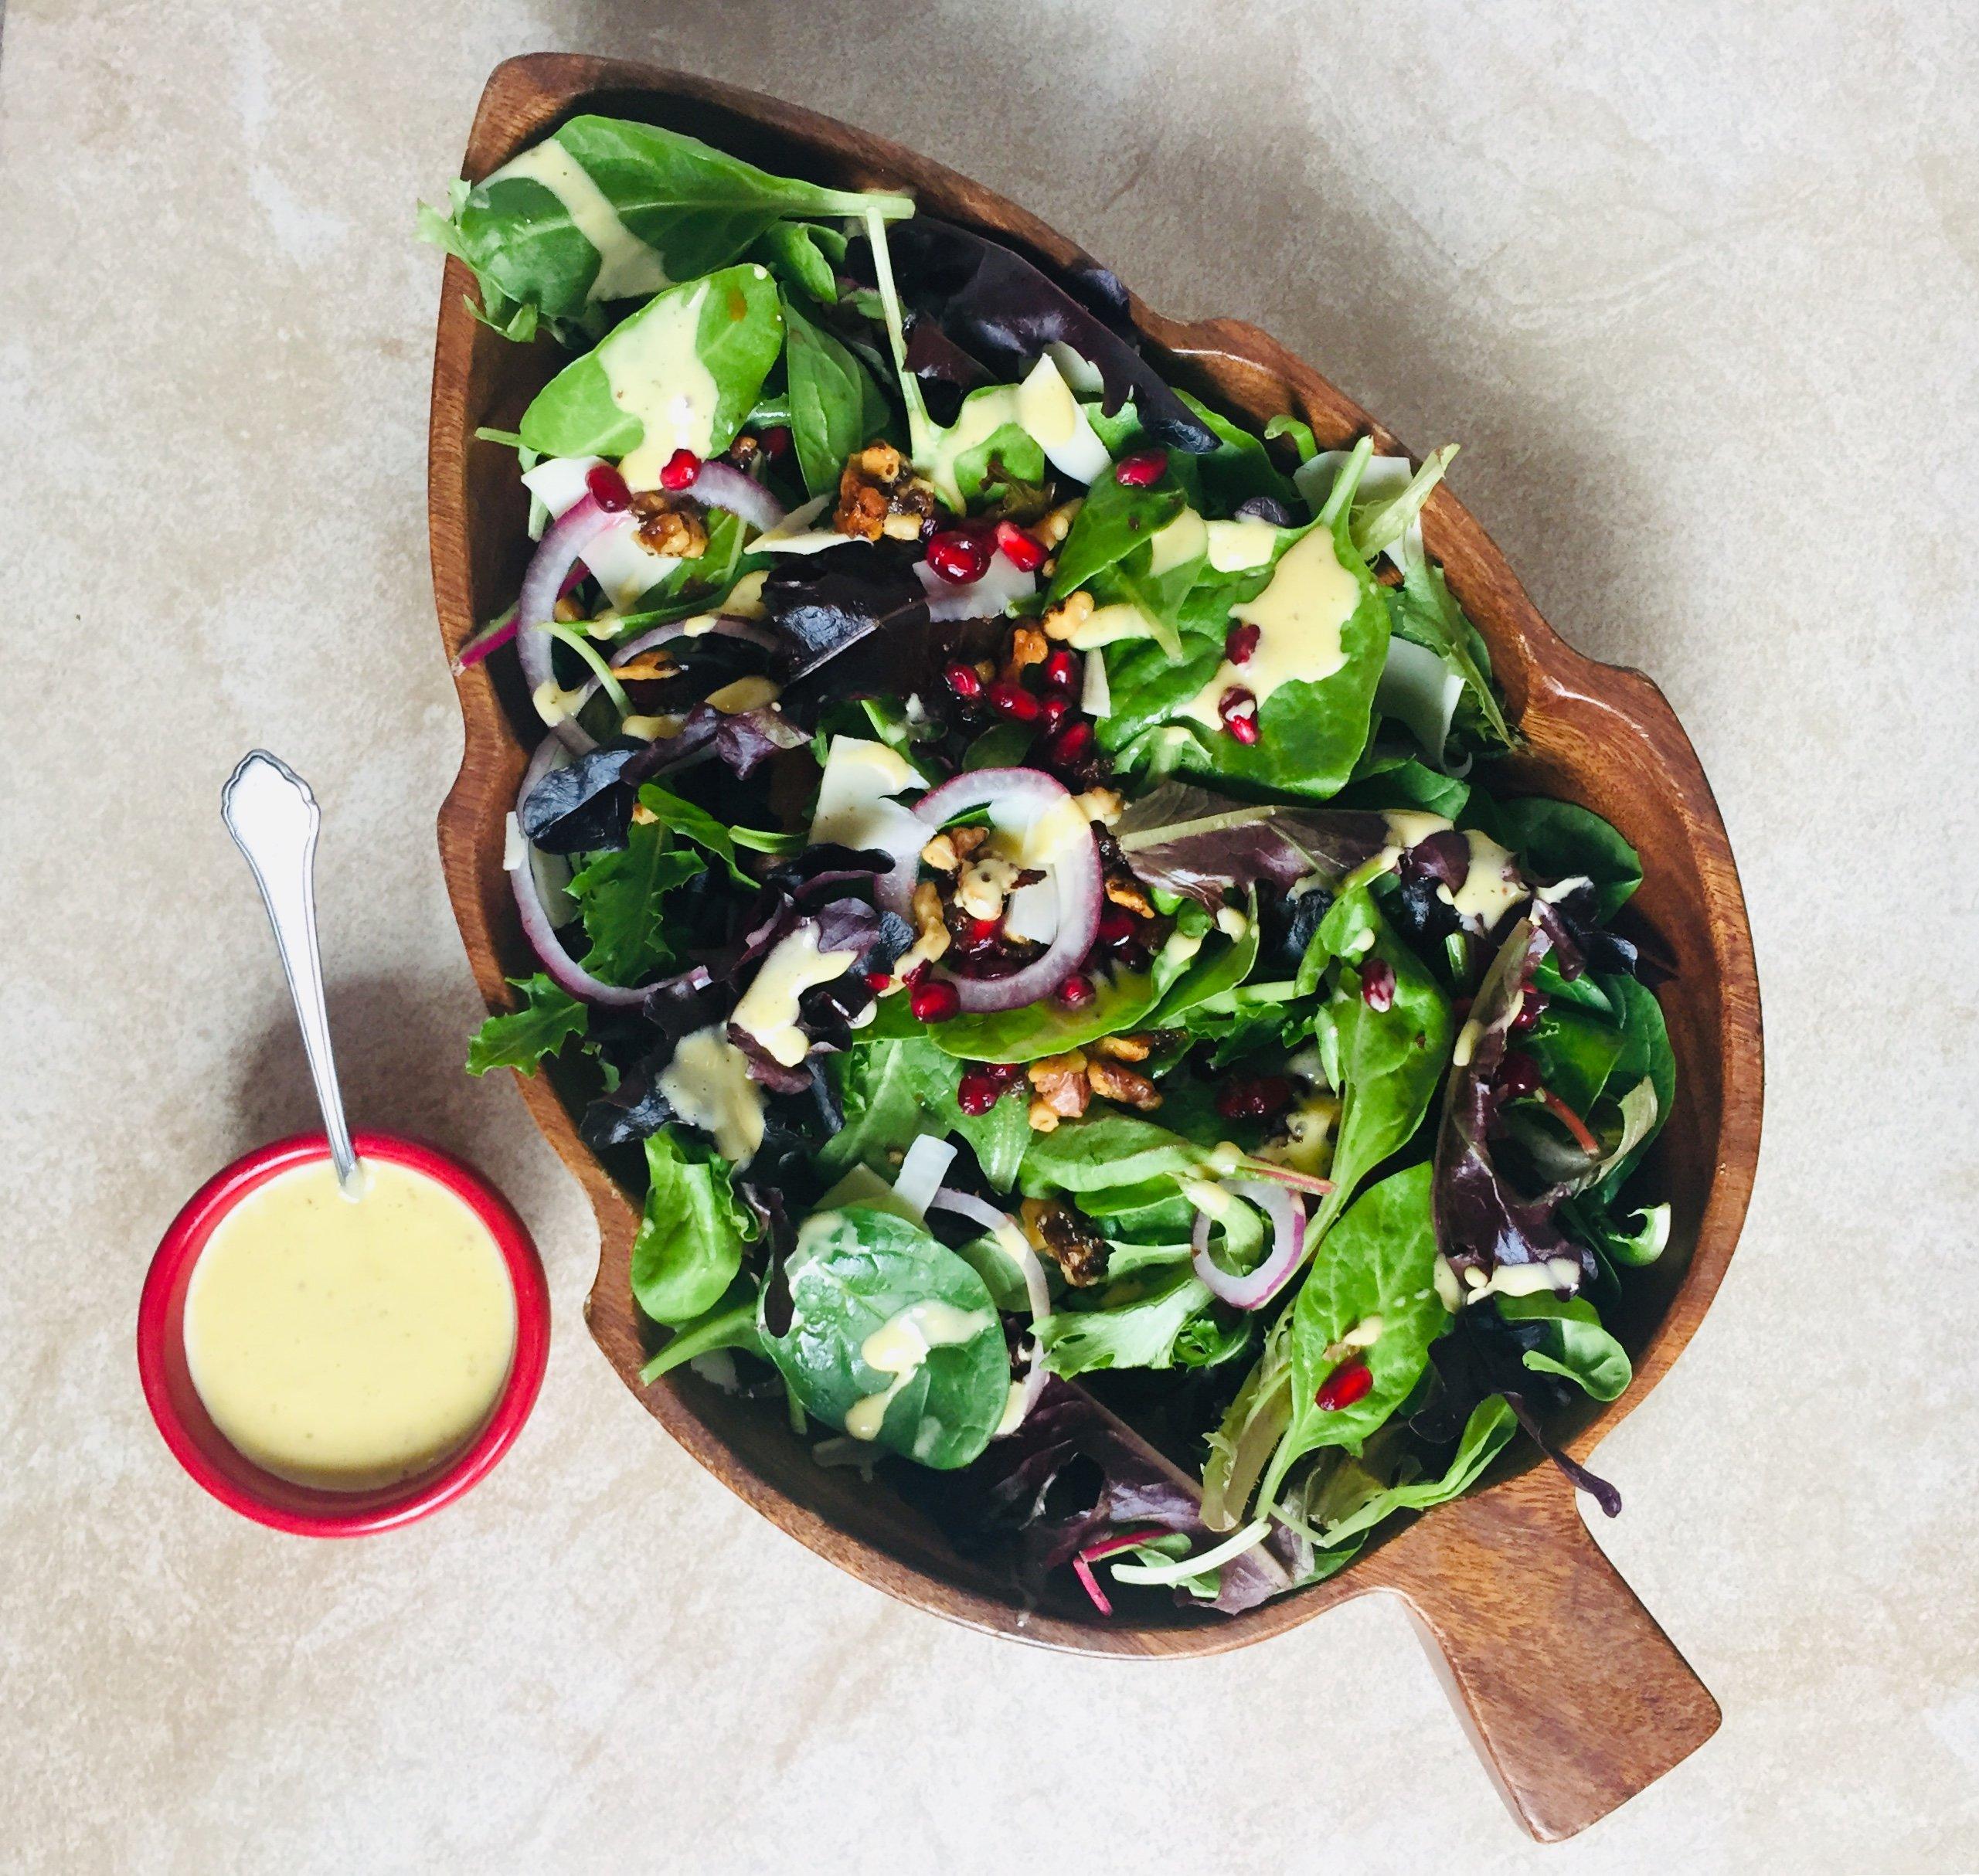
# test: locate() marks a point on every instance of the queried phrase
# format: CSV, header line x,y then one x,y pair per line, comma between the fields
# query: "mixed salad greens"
x,y
1014,883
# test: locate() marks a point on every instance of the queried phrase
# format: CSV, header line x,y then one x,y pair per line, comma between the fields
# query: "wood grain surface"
x,y
1576,1697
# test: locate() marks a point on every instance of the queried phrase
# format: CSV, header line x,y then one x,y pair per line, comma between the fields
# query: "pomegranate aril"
x,y
963,681
1009,699
1052,710
1024,552
1061,670
1077,992
1517,1076
1142,470
960,555
776,441
877,981
1238,709
984,931
1116,925
1377,985
1532,1006
1006,1074
934,999
1254,1098
1352,1380
979,1091
681,467
608,489
1241,644
1071,745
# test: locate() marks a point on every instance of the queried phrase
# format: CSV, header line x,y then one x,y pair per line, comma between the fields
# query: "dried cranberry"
x,y
1254,1098
1061,670
1238,709
1517,1076
1240,644
1142,470
978,1091
934,999
608,489
1024,552
776,441
960,555
1377,985
1352,1380
1077,992
681,467
1009,699
964,681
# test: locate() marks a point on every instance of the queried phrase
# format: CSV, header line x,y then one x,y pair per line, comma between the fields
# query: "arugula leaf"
x,y
1388,776
694,207
1128,1327
893,1091
835,407
738,331
621,895
689,1244
1572,1342
1378,1264
858,1272
522,1038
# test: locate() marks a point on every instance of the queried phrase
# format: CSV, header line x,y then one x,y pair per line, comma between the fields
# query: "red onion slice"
x,y
562,547
722,485
1256,1288
1010,1239
1017,799
562,969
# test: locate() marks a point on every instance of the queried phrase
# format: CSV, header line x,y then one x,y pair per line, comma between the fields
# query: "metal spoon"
x,y
274,820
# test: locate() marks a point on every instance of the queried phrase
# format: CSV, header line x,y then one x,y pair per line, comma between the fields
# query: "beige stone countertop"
x,y
1694,285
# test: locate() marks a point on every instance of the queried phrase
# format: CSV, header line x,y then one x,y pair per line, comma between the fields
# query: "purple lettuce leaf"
x,y
1191,841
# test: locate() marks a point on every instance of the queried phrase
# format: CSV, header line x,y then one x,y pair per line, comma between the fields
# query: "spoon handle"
x,y
273,819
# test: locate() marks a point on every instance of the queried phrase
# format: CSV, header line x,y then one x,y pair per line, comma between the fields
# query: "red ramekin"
x,y
236,1480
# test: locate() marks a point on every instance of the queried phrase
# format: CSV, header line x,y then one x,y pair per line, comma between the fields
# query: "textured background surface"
x,y
1695,286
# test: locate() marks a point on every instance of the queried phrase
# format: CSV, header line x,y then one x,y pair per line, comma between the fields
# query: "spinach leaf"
x,y
693,209
835,407
1130,1327
1377,1265
738,331
1102,1150
521,1038
730,1323
1571,1342
891,1091
1238,470
622,894
1647,1054
1576,1052
1561,839
1112,522
867,1288
691,1235
795,252
1387,775
1213,974
1390,1061
1159,596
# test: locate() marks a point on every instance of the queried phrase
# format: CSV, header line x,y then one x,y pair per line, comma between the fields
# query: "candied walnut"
x,y
1104,805
1114,1080
1127,894
879,495
940,853
1027,647
1061,1083
647,667
1069,615
965,840
1058,524
932,940
1043,1117
1135,1047
1069,1238
671,524
566,611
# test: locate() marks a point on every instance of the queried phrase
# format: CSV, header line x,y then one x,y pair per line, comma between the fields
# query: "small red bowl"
x,y
236,1481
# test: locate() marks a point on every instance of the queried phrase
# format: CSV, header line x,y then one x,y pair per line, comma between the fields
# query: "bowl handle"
x,y
1574,1699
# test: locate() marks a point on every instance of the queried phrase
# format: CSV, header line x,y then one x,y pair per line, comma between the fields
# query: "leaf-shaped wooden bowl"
x,y
1576,1698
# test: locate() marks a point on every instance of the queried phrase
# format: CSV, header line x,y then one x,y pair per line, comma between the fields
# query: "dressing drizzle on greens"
x,y
1016,871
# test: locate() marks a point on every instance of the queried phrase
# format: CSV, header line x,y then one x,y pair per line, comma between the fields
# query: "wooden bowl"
x,y
1576,1698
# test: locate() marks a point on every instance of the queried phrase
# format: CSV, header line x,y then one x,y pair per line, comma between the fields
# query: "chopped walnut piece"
x,y
932,941
1068,1237
1127,1048
1043,1117
1027,647
1061,1083
965,840
1101,804
1114,1080
566,611
1069,615
671,524
642,815
648,666
940,853
879,495
1058,524
1127,894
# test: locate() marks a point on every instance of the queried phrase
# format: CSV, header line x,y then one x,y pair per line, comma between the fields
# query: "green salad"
x,y
1017,881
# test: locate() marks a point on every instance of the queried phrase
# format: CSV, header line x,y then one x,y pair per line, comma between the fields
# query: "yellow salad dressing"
x,y
349,1343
